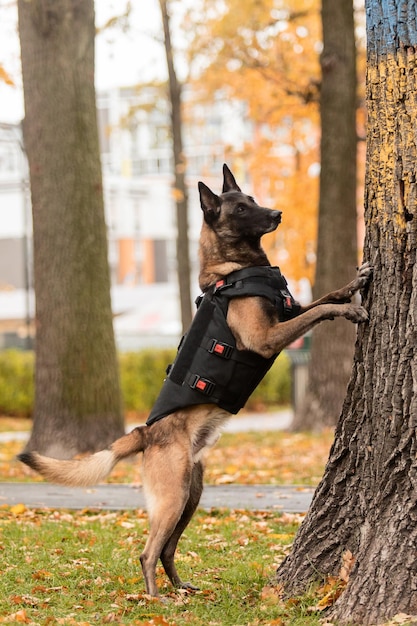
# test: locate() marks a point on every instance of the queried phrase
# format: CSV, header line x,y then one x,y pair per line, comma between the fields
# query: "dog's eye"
x,y
240,208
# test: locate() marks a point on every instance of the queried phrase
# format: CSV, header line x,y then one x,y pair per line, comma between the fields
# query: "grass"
x,y
83,568
60,567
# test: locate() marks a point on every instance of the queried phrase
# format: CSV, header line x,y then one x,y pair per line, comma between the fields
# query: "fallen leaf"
x,y
41,574
403,618
18,509
348,561
272,594
19,617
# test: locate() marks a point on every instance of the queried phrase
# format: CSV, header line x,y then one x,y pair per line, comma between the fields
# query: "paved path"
x,y
290,499
119,497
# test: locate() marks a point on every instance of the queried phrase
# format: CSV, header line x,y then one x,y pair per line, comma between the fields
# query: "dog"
x,y
174,446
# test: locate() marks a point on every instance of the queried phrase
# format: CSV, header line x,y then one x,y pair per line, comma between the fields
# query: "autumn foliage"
x,y
268,58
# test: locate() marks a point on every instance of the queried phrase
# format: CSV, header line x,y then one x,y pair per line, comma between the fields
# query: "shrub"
x,y
16,383
275,388
141,374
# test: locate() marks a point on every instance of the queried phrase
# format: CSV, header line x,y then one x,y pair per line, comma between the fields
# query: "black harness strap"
x,y
186,349
208,367
265,281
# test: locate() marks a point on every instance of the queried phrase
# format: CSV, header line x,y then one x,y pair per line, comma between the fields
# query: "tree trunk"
x,y
77,395
332,350
180,188
366,501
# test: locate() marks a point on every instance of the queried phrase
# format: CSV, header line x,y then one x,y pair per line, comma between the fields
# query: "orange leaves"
x,y
348,561
5,77
335,585
268,58
272,594
20,617
41,574
241,458
326,595
268,458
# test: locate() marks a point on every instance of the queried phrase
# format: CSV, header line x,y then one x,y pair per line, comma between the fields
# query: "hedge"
x,y
141,374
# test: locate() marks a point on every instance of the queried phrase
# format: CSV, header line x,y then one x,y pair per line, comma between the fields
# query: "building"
x,y
137,175
139,208
15,219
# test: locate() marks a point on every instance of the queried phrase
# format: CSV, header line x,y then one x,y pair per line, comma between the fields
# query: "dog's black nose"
x,y
277,215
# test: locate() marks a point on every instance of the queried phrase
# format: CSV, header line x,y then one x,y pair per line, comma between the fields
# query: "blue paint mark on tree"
x,y
390,25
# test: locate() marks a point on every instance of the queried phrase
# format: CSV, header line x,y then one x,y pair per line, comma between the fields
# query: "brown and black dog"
x,y
173,447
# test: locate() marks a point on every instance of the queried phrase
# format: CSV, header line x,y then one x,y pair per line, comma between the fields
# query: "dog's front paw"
x,y
364,275
356,313
362,278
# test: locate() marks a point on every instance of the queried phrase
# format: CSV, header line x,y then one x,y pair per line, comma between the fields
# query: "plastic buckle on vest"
x,y
223,350
199,299
202,384
287,300
221,284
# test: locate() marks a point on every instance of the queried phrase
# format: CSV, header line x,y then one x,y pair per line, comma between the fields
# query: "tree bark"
x,y
366,501
180,188
332,350
77,395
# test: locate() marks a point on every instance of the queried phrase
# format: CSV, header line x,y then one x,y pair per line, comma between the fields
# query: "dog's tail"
x,y
89,470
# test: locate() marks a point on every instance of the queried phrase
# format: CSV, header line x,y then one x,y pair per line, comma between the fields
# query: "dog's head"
x,y
233,214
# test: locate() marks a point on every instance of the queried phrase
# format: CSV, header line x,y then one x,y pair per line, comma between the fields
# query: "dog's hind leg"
x,y
168,552
167,480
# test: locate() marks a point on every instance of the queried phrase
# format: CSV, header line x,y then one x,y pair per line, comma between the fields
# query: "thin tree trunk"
x,y
366,501
77,395
332,353
180,188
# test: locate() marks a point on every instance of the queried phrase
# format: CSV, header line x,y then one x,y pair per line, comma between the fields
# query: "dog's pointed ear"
x,y
229,183
210,203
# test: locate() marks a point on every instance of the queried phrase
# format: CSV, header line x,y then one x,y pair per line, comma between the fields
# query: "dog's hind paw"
x,y
187,586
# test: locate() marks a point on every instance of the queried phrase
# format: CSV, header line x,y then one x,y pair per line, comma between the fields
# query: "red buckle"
x,y
221,349
220,283
202,384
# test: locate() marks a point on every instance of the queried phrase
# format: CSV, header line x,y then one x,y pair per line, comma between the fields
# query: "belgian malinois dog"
x,y
173,447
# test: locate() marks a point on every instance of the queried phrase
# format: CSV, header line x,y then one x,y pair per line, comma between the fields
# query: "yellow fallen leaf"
x,y
18,509
329,599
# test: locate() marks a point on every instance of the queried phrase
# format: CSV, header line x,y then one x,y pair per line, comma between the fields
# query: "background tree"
x,y
78,403
180,188
366,501
331,353
276,53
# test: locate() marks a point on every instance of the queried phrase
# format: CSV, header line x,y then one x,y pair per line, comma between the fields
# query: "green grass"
x,y
83,568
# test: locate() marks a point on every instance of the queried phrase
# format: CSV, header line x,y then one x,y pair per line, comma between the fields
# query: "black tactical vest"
x,y
208,367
